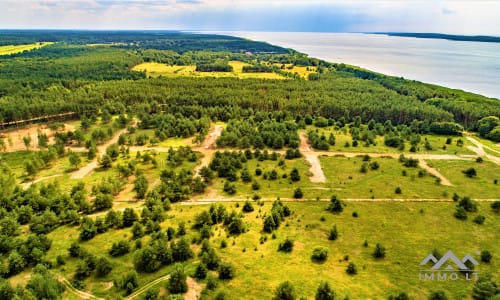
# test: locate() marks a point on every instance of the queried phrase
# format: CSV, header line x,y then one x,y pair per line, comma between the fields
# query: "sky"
x,y
443,16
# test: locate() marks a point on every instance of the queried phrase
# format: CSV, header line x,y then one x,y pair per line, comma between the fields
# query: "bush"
x,y
333,234
297,193
247,207
437,295
379,251
460,213
468,204
336,205
351,269
201,271
484,288
479,219
119,249
496,206
398,190
319,254
324,292
177,283
103,267
486,256
470,172
211,282
284,291
286,246
226,271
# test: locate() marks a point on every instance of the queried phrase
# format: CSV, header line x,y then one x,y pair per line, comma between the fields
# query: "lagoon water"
x,y
470,66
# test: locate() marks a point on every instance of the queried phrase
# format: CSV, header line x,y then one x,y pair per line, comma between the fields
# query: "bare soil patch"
x,y
194,289
13,138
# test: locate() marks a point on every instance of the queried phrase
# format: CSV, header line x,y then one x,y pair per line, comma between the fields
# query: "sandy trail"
x,y
101,149
73,290
194,289
478,148
431,170
207,147
28,184
312,159
219,199
147,286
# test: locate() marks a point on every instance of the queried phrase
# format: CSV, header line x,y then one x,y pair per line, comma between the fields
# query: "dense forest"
x,y
70,77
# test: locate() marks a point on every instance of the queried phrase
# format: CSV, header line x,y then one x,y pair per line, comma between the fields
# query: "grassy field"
x,y
344,178
482,186
12,49
408,231
299,70
437,142
156,69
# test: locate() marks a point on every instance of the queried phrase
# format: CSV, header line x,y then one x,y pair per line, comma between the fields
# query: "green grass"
x,y
12,49
481,186
437,142
409,231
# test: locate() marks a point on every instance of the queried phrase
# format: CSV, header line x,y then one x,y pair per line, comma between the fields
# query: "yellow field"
x,y
11,49
301,71
156,69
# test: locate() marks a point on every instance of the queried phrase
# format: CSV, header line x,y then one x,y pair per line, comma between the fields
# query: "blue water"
x,y
470,66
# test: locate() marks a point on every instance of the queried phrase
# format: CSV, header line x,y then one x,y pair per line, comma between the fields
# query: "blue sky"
x,y
447,16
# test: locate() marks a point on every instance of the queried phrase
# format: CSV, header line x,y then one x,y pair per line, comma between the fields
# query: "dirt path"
x,y
88,168
28,184
442,180
312,159
207,147
478,148
73,290
206,201
147,286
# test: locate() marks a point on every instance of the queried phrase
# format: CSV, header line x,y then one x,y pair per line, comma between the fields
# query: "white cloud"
x,y
450,16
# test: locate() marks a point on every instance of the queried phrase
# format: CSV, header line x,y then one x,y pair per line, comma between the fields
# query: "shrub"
x,y
201,271
211,282
297,193
437,295
496,206
319,254
470,172
351,269
484,288
333,233
379,251
177,283
103,267
226,271
479,219
247,207
286,246
336,205
324,292
460,213
398,190
486,256
284,291
120,248
468,204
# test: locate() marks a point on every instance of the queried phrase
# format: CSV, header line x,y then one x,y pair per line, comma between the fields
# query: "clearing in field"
x,y
153,69
12,49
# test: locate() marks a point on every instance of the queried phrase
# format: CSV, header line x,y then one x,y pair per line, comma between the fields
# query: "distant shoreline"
x,y
441,36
